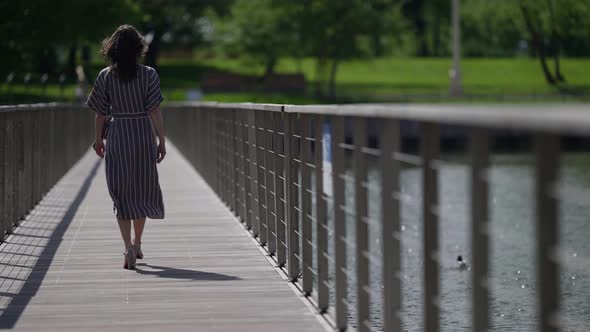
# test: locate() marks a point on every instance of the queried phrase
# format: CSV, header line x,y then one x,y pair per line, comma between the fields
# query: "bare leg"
x,y
125,228
138,225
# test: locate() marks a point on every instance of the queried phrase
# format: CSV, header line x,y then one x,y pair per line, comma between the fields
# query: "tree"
x,y
414,10
333,29
34,29
174,18
263,30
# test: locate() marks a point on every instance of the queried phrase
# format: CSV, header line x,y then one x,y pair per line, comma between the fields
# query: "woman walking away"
x,y
126,96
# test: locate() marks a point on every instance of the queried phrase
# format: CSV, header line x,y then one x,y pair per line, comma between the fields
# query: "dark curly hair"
x,y
123,49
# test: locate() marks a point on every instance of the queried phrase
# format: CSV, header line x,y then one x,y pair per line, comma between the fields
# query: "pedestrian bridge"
x,y
269,218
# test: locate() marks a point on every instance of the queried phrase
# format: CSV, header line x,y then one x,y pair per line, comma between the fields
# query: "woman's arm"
x,y
98,142
158,122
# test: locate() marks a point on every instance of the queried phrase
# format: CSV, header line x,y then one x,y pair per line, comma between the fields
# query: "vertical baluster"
x,y
190,156
28,161
3,158
429,149
229,172
390,222
362,229
547,208
480,154
279,125
9,171
246,165
260,175
253,174
235,163
226,157
306,227
210,129
291,198
52,167
269,164
321,219
341,303
36,160
20,176
218,154
240,166
46,169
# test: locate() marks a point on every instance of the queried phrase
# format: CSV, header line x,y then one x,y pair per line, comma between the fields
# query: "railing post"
x,y
210,132
253,151
36,157
291,198
3,159
269,165
390,222
321,219
362,229
260,175
235,164
217,154
246,167
9,172
229,158
480,154
225,157
20,176
279,123
306,227
547,208
340,289
28,136
429,140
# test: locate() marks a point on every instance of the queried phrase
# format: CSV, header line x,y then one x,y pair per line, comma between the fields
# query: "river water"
x,y
512,260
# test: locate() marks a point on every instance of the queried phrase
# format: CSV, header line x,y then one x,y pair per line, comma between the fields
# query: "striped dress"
x,y
130,158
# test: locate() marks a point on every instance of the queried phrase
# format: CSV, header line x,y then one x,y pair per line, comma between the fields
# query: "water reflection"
x,y
512,270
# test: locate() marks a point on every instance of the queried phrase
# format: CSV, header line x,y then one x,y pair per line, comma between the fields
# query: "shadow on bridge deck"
x,y
62,269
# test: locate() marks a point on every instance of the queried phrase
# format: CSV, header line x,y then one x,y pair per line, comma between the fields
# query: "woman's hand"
x,y
99,148
161,151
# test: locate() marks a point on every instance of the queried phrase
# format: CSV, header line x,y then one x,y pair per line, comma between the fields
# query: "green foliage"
x,y
260,29
32,30
566,19
491,28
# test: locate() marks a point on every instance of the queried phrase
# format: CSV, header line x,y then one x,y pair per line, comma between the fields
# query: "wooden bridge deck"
x,y
62,269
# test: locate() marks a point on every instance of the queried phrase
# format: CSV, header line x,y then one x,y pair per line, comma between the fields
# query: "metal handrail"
x,y
260,160
574,118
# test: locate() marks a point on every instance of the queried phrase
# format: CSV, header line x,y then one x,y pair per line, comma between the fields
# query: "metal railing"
x,y
38,145
266,163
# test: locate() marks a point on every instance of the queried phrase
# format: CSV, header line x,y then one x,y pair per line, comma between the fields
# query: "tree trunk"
x,y
332,83
421,42
151,57
556,60
319,74
71,65
86,55
436,51
269,68
537,42
555,43
376,44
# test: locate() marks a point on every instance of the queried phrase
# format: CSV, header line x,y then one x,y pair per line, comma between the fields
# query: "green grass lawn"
x,y
377,79
384,76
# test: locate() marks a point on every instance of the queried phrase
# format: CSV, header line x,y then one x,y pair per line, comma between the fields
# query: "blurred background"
x,y
305,51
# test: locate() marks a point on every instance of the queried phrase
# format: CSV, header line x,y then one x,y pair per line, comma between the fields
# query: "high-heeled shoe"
x,y
129,262
137,248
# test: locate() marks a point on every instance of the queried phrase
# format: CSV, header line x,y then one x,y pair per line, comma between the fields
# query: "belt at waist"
x,y
130,115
